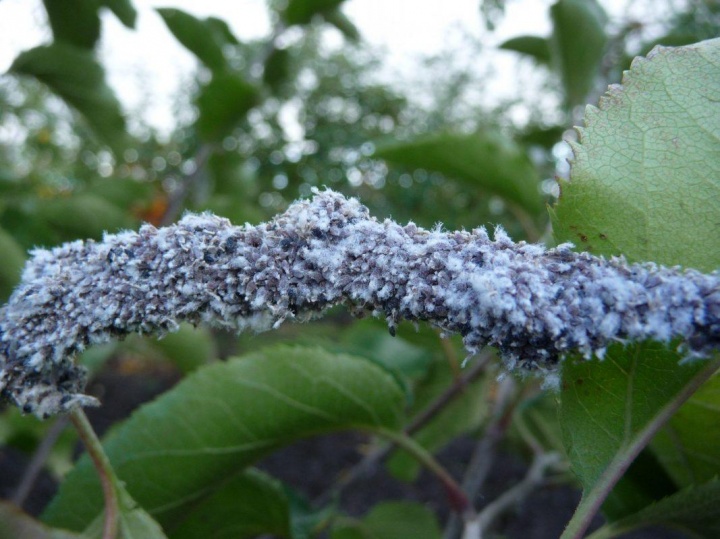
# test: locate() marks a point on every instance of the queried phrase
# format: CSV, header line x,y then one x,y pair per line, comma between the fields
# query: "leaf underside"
x,y
183,446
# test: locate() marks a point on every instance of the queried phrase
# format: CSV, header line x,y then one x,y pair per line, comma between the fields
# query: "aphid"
x,y
230,244
292,294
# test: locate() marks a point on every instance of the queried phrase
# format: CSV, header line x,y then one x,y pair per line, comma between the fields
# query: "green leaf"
x,y
277,67
370,338
305,520
537,416
646,173
75,75
123,10
536,135
15,524
390,520
610,409
75,22
486,161
302,11
223,103
13,260
204,38
673,39
133,521
676,38
693,510
688,445
180,448
535,47
346,27
633,166
188,348
578,45
222,30
84,215
645,482
248,505
123,193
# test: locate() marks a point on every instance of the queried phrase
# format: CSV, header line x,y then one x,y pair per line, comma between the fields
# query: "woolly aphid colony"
x,y
534,304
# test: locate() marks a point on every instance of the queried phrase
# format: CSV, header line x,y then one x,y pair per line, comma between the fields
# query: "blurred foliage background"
x,y
74,164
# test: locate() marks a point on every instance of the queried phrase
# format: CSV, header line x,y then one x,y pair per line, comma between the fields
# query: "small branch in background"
x,y
525,220
39,458
104,470
484,454
456,496
176,201
479,365
451,356
534,478
418,422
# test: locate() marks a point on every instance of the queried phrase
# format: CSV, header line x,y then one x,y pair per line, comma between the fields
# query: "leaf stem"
x,y
478,366
104,470
592,501
458,500
485,450
535,477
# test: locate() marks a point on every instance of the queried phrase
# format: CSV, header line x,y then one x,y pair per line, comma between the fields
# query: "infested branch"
x,y
535,304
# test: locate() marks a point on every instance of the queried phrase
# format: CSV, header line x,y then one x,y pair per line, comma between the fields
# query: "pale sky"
x,y
405,29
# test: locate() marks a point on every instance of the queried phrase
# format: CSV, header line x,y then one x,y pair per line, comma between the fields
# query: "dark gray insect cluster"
x,y
535,305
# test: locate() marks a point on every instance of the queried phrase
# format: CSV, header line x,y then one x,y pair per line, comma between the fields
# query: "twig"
x,y
525,220
418,422
38,460
484,454
535,477
479,365
177,197
104,471
450,355
457,497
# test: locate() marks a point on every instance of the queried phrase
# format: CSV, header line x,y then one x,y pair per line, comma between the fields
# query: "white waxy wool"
x,y
535,305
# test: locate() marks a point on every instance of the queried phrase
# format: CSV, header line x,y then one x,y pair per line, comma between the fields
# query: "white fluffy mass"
x,y
535,305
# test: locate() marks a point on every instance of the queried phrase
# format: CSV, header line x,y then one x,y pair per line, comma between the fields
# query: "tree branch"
x,y
535,305
512,497
484,454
